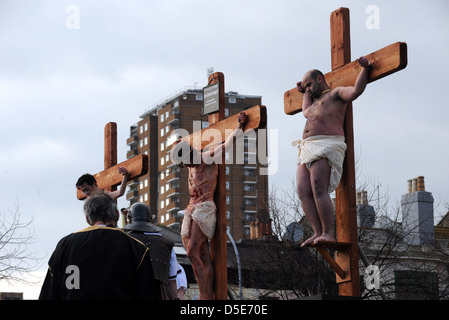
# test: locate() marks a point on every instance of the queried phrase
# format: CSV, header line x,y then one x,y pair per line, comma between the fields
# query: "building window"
x,y
199,97
249,202
232,100
249,173
227,185
162,118
416,285
249,187
162,132
249,158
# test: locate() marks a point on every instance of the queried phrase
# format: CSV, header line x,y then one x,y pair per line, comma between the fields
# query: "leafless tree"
x,y
16,259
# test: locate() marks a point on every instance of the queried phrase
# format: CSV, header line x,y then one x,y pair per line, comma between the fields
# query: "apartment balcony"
x,y
132,195
131,153
250,194
132,141
250,179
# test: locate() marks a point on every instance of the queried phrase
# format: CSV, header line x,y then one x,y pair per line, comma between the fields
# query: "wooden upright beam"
x,y
110,148
346,212
218,246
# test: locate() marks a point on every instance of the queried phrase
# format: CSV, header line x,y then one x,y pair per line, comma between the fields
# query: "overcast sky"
x,y
63,78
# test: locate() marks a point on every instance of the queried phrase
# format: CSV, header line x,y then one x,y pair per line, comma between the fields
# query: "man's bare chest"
x,y
322,110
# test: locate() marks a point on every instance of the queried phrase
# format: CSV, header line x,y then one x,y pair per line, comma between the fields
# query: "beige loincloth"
x,y
332,148
204,215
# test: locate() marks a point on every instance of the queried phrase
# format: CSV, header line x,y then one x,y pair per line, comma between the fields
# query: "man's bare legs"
x,y
197,247
317,205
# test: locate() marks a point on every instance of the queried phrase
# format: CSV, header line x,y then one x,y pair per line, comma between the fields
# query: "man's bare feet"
x,y
309,241
324,238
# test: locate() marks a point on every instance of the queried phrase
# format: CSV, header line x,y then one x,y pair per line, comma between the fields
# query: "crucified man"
x,y
323,147
198,225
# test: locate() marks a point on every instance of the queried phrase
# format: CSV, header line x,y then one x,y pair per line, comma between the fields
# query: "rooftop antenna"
x,y
210,71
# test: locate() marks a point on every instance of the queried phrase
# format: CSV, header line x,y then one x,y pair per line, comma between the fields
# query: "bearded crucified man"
x,y
198,225
323,147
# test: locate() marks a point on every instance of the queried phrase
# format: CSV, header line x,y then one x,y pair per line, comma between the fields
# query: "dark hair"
x,y
86,178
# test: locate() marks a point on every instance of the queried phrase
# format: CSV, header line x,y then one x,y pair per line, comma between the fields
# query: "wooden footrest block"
x,y
333,245
341,263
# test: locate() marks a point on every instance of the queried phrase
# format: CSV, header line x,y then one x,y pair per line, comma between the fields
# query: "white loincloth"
x,y
332,148
203,214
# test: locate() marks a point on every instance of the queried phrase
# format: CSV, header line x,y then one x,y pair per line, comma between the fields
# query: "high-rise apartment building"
x,y
165,187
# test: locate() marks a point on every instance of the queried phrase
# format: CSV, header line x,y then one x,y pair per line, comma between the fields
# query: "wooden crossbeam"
x,y
257,119
384,62
110,177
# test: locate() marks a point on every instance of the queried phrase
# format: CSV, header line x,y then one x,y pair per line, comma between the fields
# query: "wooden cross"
x,y
110,178
344,73
257,118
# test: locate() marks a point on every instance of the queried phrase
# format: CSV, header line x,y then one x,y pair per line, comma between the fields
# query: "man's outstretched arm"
x,y
348,94
238,129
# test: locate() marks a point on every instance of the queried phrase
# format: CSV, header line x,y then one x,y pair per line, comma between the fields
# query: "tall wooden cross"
x,y
257,118
110,178
344,73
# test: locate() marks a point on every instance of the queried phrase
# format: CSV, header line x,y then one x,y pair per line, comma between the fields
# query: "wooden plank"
x,y
340,246
136,166
218,244
110,148
257,119
384,62
330,260
346,212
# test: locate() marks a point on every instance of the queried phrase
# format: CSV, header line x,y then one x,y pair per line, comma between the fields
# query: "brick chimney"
x,y
417,213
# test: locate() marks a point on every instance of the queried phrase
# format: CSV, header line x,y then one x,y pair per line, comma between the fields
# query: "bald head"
x,y
314,73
